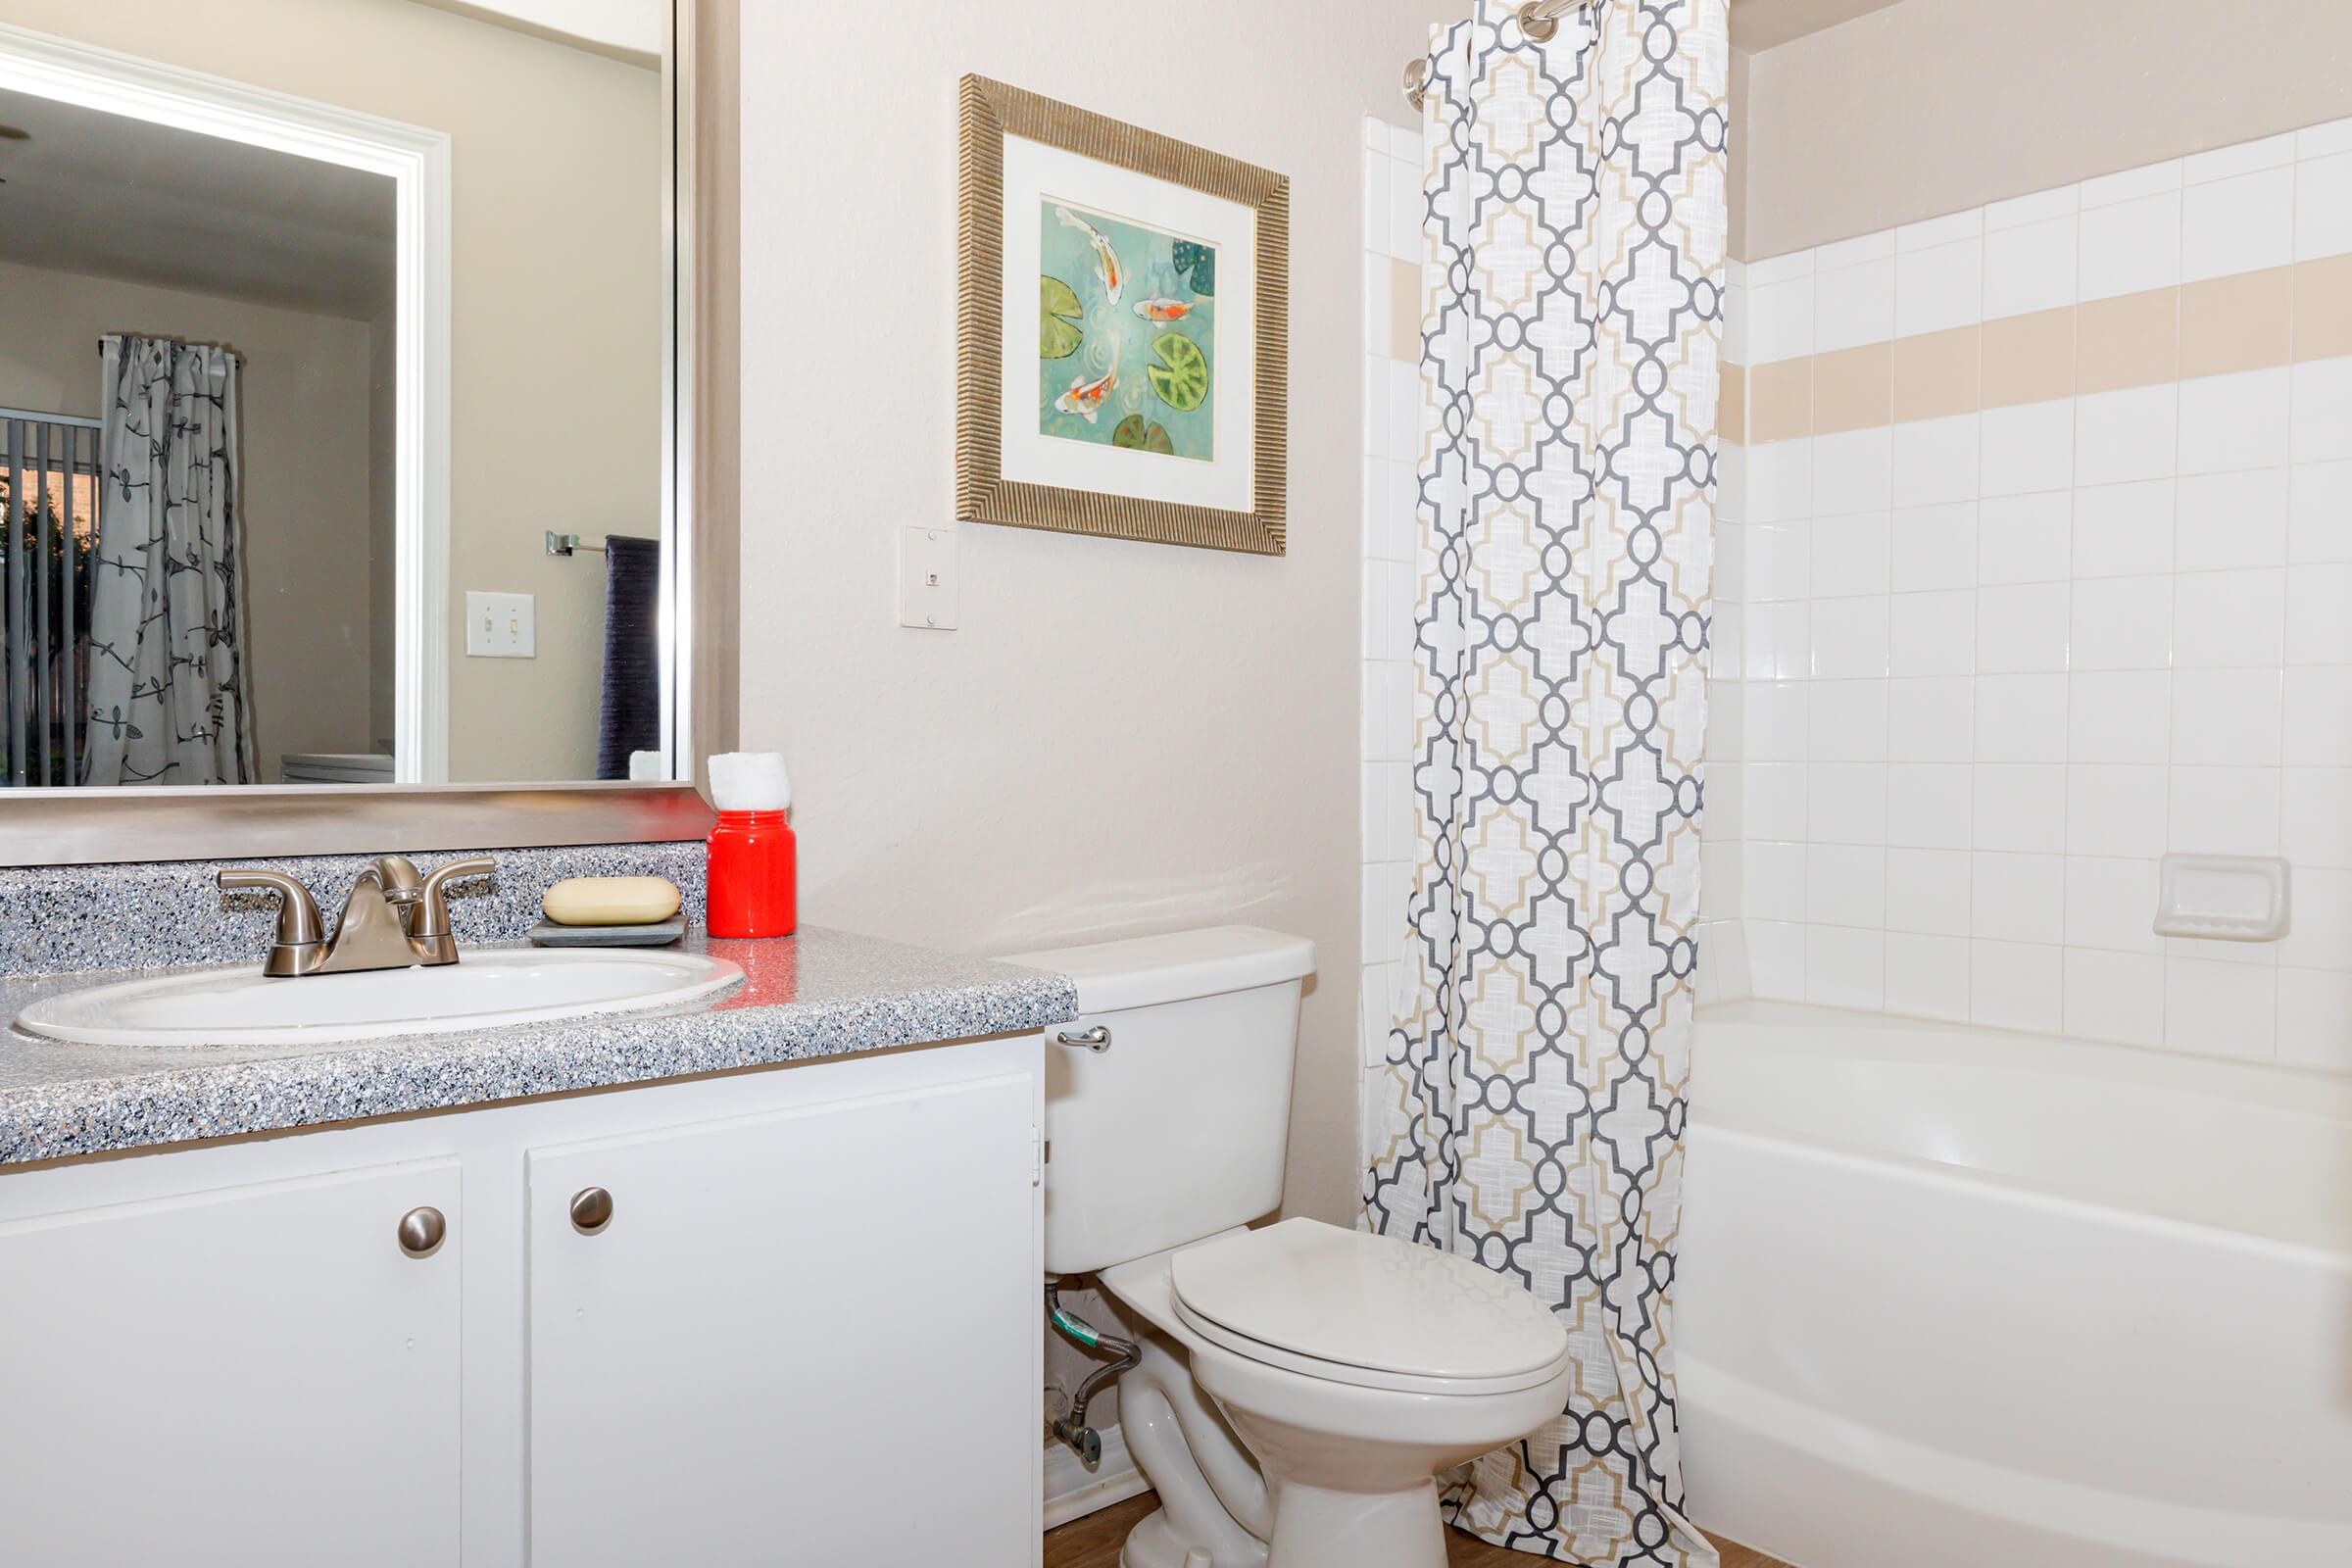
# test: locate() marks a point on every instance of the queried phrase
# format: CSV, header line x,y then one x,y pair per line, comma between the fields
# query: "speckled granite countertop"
x,y
819,994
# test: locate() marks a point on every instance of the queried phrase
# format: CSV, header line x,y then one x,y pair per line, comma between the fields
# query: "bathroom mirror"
x,y
342,394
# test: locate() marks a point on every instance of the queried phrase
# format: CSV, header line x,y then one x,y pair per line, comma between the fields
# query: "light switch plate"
x,y
500,626
928,579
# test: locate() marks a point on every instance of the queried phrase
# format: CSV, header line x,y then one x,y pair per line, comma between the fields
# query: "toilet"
x,y
1301,1386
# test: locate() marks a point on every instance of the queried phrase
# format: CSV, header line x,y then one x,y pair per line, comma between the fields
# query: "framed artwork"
x,y
1124,329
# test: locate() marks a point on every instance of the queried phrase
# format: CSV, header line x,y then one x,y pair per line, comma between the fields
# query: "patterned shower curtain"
x,y
1532,1110
167,699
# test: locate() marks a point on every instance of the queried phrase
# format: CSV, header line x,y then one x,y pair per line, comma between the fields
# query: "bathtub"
x,y
1953,1298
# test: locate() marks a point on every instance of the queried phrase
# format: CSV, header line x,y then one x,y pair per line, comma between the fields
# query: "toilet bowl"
x,y
1300,1387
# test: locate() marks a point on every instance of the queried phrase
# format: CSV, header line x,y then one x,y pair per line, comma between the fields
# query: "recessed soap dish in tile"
x,y
2223,898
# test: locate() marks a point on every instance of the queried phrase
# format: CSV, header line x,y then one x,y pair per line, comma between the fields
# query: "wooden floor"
x,y
1094,1543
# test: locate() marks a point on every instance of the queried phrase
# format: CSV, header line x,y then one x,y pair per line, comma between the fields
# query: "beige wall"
x,y
1122,738
1936,106
556,396
306,453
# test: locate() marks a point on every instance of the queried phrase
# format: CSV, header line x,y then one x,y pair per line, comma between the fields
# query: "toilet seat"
x,y
1345,1306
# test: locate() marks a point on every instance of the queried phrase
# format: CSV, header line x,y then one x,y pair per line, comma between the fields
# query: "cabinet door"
x,y
808,1337
255,1375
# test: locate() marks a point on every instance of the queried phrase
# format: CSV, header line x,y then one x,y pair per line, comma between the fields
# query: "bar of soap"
x,y
612,900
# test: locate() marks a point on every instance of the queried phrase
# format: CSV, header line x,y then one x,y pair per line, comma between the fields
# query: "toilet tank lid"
x,y
1145,971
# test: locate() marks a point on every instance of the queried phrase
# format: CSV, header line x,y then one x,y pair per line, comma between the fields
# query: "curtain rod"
x,y
1539,19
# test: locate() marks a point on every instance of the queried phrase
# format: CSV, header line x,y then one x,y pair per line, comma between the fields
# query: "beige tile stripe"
x,y
2248,321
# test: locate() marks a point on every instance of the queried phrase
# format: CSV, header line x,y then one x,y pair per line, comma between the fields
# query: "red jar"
x,y
753,876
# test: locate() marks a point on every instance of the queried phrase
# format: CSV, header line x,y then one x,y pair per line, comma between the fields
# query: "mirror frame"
x,y
49,827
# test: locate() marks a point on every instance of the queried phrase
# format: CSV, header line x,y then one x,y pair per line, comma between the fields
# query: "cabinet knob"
x,y
591,1210
420,1231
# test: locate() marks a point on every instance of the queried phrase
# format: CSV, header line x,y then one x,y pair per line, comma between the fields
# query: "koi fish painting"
x,y
1127,324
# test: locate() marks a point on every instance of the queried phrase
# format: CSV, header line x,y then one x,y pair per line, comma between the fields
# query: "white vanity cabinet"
x,y
808,1332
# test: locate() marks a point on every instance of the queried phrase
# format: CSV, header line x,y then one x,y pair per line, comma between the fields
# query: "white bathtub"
x,y
1951,1297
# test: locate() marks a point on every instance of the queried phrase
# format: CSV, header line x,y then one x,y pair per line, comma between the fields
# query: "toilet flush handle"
x,y
1096,1040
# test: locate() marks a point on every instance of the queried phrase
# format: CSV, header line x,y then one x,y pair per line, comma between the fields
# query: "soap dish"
x,y
548,934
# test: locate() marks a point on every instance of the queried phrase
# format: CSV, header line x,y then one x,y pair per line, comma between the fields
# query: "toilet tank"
x,y
1176,1130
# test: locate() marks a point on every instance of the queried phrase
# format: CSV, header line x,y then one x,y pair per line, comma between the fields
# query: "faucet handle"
x,y
434,923
301,938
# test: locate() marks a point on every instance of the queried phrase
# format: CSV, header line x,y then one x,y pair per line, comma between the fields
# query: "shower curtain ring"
x,y
1538,21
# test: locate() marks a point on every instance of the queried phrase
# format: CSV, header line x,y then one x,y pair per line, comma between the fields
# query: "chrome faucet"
x,y
393,919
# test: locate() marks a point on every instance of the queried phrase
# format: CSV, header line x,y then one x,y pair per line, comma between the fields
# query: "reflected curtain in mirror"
x,y
166,700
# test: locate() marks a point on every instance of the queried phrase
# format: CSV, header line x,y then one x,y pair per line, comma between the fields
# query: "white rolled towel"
x,y
645,767
750,781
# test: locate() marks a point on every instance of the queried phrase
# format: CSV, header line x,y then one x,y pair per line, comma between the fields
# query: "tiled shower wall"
x,y
1392,208
2035,564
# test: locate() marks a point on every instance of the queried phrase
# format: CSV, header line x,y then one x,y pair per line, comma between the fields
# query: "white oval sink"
x,y
482,990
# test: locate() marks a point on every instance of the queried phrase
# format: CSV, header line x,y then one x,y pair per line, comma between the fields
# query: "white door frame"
x,y
418,162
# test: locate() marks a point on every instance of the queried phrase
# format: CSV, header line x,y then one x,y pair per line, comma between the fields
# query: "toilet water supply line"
x,y
1082,1439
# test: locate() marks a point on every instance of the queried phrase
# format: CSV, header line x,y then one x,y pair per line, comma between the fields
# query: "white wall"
x,y
1121,738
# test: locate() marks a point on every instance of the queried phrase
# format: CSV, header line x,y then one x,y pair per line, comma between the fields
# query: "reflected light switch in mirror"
x,y
928,579
500,626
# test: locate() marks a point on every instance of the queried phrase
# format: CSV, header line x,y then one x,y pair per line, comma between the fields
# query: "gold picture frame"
x,y
990,112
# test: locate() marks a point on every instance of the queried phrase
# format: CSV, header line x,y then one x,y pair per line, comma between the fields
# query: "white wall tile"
x,y
2116,996
2021,808
2243,223
2111,904
2040,207
2016,898
1779,561
2224,619
1849,721
1936,460
1775,802
1408,211
2220,1010
1851,554
1933,634
2321,421
2032,267
1776,720
2314,1020
2321,937
1932,232
1940,288
1379,187
2024,538
2130,247
1852,472
2224,810
2319,717
2023,627
1930,805
1772,879
2016,985
2020,718
1927,891
1927,976
2027,448
1933,547
2324,207
2123,436
2230,422
2242,158
1929,719
1847,803
1776,959
2118,716
2319,514
1849,638
2131,184
1853,303
1780,481
2116,811
2232,520
2125,530
2324,140
2316,816
1845,885
1845,968
2319,613
2227,717
1779,640
2122,623
1780,319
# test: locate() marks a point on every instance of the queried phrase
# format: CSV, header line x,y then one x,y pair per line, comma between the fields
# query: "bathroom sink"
x,y
481,991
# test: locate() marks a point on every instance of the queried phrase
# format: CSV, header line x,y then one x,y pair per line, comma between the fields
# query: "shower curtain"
x,y
1531,1111
167,700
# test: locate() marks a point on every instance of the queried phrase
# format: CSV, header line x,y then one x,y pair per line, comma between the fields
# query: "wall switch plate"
x,y
500,626
2223,898
928,579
